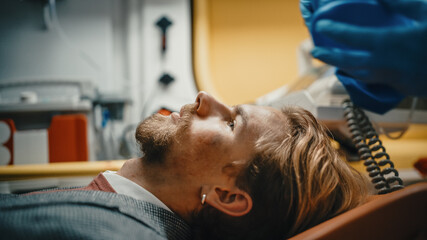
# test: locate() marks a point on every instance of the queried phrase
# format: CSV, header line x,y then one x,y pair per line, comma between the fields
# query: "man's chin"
x,y
155,135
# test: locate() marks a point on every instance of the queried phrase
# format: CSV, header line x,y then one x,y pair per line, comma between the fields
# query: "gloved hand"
x,y
395,56
308,7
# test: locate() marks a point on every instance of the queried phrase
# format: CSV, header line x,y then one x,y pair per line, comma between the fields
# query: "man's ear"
x,y
233,202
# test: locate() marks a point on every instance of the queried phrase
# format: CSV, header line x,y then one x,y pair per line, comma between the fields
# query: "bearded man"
x,y
209,172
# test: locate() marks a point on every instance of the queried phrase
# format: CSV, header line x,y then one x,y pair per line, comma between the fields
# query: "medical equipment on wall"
x,y
163,23
109,112
47,120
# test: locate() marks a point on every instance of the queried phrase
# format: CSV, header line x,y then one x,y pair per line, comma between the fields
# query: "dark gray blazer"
x,y
86,215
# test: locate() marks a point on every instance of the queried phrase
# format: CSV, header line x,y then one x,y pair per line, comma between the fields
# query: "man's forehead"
x,y
262,117
253,111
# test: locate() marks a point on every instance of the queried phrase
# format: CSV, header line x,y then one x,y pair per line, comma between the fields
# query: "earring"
x,y
203,199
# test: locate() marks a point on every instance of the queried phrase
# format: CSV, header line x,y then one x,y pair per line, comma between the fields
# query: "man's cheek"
x,y
208,140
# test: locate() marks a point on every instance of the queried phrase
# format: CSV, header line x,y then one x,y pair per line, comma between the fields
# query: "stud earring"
x,y
203,199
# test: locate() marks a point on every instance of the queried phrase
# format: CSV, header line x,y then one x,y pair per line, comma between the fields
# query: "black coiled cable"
x,y
371,151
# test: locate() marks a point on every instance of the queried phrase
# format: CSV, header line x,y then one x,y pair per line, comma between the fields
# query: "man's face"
x,y
207,140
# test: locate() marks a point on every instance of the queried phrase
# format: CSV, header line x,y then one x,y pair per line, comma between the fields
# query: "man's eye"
x,y
231,124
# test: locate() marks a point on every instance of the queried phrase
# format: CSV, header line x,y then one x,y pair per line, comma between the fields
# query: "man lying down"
x,y
208,172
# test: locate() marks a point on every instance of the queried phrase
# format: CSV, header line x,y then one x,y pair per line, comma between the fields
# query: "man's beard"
x,y
154,136
157,134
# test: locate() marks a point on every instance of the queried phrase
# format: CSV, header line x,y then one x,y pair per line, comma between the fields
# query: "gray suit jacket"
x,y
87,215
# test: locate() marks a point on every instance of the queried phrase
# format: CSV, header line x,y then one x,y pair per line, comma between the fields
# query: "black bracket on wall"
x,y
163,23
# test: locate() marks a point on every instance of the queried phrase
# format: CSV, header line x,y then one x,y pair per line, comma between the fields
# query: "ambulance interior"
x,y
76,77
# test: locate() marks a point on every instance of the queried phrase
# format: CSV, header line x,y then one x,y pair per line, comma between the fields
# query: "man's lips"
x,y
175,116
186,109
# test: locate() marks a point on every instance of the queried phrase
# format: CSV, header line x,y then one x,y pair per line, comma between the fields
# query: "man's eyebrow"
x,y
240,111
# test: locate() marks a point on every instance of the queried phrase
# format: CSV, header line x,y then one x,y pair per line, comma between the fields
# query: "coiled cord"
x,y
370,149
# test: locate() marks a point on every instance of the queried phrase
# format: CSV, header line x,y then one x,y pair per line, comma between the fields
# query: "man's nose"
x,y
208,105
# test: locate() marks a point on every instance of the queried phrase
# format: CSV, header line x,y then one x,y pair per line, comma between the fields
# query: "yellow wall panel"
x,y
244,49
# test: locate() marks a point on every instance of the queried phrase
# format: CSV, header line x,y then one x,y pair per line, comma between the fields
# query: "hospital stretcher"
x,y
33,177
68,169
398,215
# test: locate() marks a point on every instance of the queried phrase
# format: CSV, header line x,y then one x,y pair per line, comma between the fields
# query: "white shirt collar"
x,y
127,187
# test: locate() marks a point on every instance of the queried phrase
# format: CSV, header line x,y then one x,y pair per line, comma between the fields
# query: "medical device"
x,y
47,120
319,91
27,101
371,150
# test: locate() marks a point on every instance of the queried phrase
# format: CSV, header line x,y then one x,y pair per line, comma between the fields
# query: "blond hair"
x,y
296,180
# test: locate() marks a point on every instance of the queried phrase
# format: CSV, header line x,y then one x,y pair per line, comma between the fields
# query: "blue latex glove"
x,y
378,98
394,56
308,7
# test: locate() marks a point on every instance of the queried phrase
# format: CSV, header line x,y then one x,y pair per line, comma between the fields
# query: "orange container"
x,y
68,138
